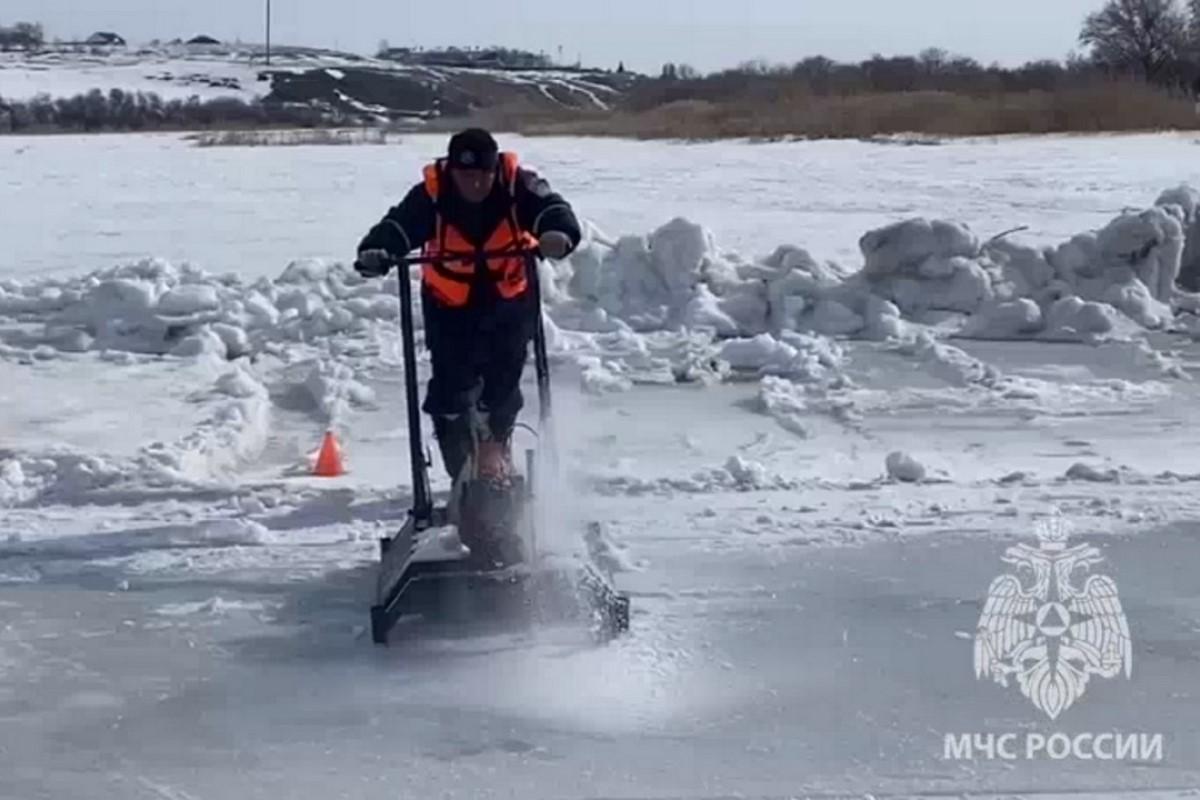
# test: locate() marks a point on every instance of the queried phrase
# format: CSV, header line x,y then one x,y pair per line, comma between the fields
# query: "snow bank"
x,y
153,307
234,430
667,307
1084,289
674,275
674,280
235,433
1106,284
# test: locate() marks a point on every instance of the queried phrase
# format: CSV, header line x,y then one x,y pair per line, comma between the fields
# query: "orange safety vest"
x,y
450,280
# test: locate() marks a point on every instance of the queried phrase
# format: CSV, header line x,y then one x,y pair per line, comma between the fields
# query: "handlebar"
x,y
409,261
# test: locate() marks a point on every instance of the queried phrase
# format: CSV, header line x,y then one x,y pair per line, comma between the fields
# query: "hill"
x,y
344,85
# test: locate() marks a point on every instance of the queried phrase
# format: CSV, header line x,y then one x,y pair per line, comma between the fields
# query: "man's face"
x,y
473,185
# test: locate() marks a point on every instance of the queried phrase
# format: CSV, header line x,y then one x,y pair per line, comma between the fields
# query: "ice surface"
x,y
805,474
150,184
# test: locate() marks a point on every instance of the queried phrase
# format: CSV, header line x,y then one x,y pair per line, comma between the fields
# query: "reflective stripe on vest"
x,y
450,280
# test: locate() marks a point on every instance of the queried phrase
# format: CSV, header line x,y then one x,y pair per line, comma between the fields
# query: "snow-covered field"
x,y
241,71
168,75
808,473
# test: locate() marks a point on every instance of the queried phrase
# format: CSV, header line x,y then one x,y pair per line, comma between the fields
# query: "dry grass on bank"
x,y
290,138
1103,107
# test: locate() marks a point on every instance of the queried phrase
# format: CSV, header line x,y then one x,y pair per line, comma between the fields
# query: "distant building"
x,y
104,39
206,40
469,58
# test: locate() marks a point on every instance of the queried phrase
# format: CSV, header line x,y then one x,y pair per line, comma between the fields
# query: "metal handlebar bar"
x,y
409,261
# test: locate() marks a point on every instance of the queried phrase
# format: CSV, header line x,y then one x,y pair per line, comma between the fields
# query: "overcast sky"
x,y
709,34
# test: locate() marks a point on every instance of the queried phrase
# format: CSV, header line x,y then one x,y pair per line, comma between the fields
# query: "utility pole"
x,y
268,33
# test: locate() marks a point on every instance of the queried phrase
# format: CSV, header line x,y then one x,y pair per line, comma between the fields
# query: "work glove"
x,y
373,263
555,245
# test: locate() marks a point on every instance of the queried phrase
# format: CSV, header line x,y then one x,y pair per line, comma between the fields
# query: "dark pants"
x,y
482,349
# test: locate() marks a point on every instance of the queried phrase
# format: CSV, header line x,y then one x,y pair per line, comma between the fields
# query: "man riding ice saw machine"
x,y
478,312
481,221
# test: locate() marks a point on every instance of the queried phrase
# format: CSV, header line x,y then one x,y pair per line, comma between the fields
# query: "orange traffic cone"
x,y
329,461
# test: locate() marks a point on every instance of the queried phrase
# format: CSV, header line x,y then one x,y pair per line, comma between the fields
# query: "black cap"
x,y
474,148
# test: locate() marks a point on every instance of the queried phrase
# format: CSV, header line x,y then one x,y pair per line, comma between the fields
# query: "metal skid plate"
x,y
427,573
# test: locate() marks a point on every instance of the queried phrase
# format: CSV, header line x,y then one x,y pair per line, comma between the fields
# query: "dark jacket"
x,y
412,223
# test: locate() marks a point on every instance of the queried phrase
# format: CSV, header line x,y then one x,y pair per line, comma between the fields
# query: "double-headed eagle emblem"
x,y
1049,627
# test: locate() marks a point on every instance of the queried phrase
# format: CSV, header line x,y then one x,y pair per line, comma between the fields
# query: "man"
x,y
478,311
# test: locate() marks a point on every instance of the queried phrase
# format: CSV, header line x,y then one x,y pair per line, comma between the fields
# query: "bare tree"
x,y
1145,36
933,60
23,35
1194,9
31,34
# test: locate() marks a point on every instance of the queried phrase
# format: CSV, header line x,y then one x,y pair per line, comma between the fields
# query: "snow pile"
x,y
1080,471
948,363
1184,201
1010,319
903,467
665,308
234,429
235,433
746,473
616,361
677,277
674,283
1170,365
602,377
798,356
27,479
333,388
781,400
1083,289
1105,284
674,276
738,474
794,405
153,307
926,266
1131,265
1102,284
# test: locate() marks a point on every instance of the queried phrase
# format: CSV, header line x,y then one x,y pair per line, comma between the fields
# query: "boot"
x,y
495,459
453,435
